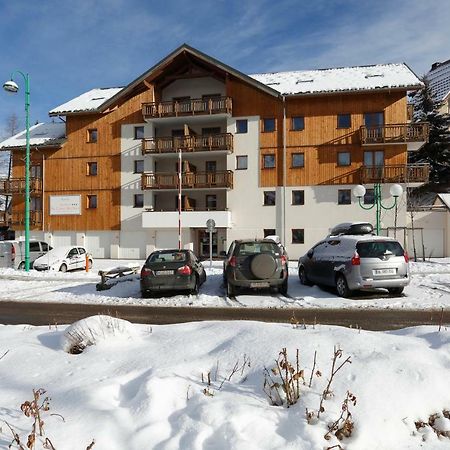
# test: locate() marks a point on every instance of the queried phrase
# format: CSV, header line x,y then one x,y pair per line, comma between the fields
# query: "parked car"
x,y
172,270
64,259
356,262
258,263
12,252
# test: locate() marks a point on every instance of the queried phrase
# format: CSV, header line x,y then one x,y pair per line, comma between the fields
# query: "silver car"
x,y
356,262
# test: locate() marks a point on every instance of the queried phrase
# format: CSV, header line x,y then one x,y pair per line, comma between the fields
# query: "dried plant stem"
x,y
312,371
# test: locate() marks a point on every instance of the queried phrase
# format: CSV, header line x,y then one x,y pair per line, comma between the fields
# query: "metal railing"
x,y
394,133
213,142
18,218
397,173
192,180
191,107
17,185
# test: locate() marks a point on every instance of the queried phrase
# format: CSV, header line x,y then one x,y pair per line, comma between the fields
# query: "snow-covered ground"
x,y
142,387
429,289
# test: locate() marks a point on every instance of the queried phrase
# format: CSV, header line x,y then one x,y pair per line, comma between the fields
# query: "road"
x,y
37,313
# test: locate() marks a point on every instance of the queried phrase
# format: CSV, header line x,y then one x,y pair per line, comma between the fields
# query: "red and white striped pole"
x,y
179,198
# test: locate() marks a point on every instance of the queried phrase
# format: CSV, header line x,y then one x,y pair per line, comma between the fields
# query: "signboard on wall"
x,y
65,205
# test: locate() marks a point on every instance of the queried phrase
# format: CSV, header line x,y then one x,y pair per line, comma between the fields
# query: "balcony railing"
x,y
18,218
214,142
189,180
395,133
401,173
10,186
191,107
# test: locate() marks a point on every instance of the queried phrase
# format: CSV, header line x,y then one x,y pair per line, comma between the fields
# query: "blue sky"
x,y
71,46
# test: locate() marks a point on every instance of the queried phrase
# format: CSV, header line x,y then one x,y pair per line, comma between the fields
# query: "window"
x,y
373,120
138,201
268,125
179,132
241,126
92,168
298,236
139,166
298,197
92,135
211,202
269,198
343,159
369,197
298,160
210,166
268,161
344,197
298,123
242,162
139,132
36,203
36,171
375,158
92,201
269,232
344,121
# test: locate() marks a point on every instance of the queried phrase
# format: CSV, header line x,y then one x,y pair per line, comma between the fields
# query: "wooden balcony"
x,y
189,180
192,107
10,186
394,134
401,173
202,143
18,218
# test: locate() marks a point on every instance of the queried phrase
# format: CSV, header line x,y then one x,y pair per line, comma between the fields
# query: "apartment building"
x,y
261,154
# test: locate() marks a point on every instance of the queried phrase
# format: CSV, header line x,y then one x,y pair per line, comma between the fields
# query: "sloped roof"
x,y
89,101
42,134
445,198
341,79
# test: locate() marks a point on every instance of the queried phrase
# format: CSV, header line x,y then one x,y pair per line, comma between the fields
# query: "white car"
x,y
64,259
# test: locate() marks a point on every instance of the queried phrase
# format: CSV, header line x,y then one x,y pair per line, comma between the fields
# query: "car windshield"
x,y
250,248
376,249
172,256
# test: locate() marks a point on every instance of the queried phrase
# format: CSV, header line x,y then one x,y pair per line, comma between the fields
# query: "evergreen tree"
x,y
436,151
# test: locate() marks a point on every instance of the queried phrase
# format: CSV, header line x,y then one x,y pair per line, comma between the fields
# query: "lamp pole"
x,y
11,86
359,191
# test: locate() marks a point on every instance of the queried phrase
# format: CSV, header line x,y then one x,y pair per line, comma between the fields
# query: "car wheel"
x,y
63,268
303,277
231,290
395,290
145,294
283,289
263,266
196,287
21,266
342,286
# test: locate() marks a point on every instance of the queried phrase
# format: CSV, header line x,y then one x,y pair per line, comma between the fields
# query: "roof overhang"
x,y
159,68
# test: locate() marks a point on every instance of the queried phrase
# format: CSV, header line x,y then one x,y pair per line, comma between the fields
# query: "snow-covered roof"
x,y
42,134
361,78
445,198
89,101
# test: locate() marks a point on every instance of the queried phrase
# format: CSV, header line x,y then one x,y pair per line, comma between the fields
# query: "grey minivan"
x,y
356,262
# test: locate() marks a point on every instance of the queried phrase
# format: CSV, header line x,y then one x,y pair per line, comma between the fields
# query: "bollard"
x,y
87,262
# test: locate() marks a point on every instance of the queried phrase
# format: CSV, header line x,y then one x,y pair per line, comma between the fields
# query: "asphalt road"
x,y
33,313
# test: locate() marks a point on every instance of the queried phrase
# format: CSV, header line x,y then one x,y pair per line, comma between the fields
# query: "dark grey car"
x,y
356,262
258,263
171,270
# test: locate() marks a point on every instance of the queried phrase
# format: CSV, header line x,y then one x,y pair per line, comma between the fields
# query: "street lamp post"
x,y
12,87
359,191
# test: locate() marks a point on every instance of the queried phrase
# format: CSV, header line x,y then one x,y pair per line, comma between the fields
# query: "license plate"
x,y
259,285
384,272
164,272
